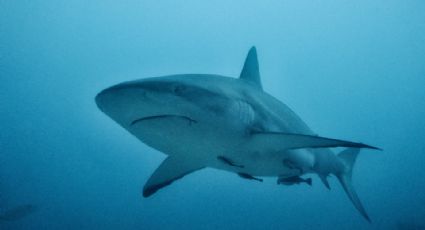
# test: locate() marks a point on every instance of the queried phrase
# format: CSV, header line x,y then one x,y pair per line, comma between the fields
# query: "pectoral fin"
x,y
170,170
285,141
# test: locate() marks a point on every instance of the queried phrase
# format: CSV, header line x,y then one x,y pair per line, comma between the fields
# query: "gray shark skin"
x,y
203,120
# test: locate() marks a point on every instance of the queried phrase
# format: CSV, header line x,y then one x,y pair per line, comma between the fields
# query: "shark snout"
x,y
103,97
99,99
117,95
143,96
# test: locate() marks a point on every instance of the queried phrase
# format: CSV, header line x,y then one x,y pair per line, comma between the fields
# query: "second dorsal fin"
x,y
250,71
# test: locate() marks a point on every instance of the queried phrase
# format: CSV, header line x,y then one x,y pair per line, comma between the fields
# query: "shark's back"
x,y
272,114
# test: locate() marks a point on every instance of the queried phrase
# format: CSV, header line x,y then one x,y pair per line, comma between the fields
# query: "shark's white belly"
x,y
209,140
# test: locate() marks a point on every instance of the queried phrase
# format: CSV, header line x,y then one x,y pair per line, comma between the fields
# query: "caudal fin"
x,y
349,156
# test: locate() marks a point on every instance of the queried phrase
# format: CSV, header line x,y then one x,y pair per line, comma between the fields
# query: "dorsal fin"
x,y
250,71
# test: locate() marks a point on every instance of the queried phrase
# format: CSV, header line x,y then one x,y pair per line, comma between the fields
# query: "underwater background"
x,y
352,70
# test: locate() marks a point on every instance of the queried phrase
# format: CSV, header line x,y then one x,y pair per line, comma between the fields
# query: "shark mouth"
x,y
163,116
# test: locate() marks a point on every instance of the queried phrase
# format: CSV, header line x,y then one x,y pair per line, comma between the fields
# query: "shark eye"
x,y
179,89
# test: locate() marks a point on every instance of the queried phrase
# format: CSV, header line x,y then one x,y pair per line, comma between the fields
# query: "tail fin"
x,y
309,181
349,156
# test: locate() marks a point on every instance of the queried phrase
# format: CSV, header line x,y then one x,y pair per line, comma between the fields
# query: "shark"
x,y
225,123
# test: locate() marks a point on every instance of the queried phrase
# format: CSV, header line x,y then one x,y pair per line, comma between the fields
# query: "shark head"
x,y
162,111
130,102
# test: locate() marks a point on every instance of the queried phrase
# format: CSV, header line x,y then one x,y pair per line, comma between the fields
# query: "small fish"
x,y
249,177
410,226
294,180
229,162
17,212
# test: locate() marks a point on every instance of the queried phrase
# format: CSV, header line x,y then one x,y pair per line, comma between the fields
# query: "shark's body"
x,y
201,120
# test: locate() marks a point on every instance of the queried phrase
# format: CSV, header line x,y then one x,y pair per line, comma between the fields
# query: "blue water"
x,y
350,69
